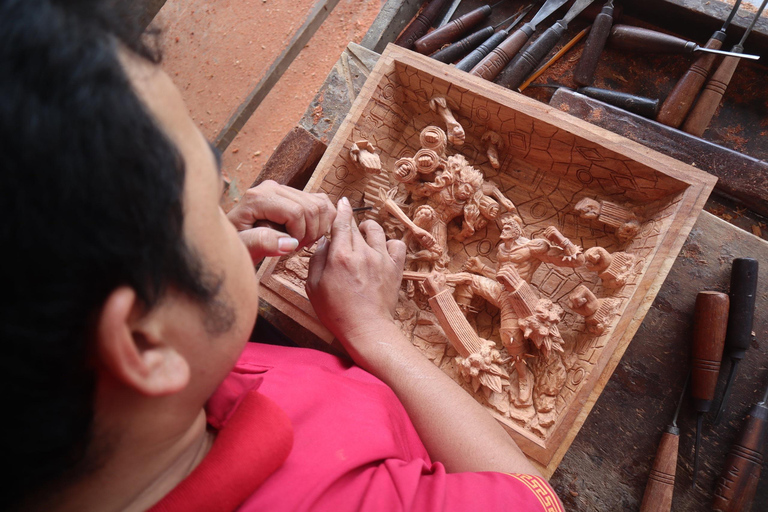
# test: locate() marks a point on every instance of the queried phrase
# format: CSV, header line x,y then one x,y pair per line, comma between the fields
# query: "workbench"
x,y
607,466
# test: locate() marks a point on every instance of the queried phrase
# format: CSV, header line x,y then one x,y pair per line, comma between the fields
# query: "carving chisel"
x,y
557,56
640,105
420,24
452,30
500,56
460,48
742,311
738,483
710,322
627,37
661,481
447,16
679,102
476,55
705,107
538,49
584,73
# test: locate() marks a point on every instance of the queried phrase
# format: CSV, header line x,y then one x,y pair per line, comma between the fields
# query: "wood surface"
x,y
314,19
541,140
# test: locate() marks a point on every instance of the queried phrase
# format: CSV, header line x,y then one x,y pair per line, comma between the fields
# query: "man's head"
x,y
122,268
510,227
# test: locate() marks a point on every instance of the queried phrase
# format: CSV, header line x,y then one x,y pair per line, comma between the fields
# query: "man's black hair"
x,y
90,199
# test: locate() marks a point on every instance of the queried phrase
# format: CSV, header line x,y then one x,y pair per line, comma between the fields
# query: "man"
x,y
133,296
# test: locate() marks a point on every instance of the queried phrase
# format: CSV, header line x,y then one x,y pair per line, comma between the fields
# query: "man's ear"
x,y
130,346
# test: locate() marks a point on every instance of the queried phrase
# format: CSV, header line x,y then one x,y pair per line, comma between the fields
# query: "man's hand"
x,y
354,279
306,218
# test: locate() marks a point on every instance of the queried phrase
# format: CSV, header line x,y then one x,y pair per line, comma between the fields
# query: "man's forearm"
x,y
455,429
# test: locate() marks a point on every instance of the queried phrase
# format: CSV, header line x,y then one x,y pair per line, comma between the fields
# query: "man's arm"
x,y
353,285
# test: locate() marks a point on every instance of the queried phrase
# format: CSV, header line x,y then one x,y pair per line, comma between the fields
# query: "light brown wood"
x,y
518,236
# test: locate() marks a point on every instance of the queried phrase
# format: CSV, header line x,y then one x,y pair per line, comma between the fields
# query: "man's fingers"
x,y
374,235
396,250
341,231
263,242
317,265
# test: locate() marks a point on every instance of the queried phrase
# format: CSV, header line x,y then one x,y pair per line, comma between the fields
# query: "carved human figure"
x,y
622,219
493,143
527,255
454,130
598,313
457,191
613,269
364,154
478,360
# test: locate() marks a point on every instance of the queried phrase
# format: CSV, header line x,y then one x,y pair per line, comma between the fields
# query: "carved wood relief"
x,y
535,242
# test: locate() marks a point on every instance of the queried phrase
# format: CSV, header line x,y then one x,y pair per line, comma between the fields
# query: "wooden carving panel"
x,y
527,287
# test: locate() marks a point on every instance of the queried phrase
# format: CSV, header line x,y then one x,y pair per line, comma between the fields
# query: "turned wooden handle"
x,y
460,48
661,481
593,47
476,55
491,65
699,118
710,322
532,56
738,483
636,39
420,25
679,102
451,31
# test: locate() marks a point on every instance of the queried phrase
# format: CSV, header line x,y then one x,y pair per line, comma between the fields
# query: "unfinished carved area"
x,y
536,242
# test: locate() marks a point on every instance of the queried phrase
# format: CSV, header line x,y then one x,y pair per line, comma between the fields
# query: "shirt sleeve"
x,y
415,486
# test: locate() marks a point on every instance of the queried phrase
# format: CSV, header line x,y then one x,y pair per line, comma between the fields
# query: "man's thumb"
x,y
263,242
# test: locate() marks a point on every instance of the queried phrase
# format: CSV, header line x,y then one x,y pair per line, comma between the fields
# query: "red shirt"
x,y
299,429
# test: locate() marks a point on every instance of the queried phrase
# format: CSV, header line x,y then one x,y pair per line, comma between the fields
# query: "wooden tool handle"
x,y
710,322
742,294
738,483
679,102
646,107
593,47
460,48
661,481
451,31
420,25
490,67
532,56
476,55
699,118
636,39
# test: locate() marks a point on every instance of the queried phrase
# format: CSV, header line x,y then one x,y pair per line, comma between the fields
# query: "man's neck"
x,y
139,472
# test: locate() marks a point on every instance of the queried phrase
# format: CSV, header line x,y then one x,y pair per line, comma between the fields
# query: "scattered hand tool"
x,y
702,113
646,107
627,37
710,322
679,102
452,30
562,51
476,55
460,48
420,24
500,56
661,481
584,73
738,483
448,13
538,49
742,311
